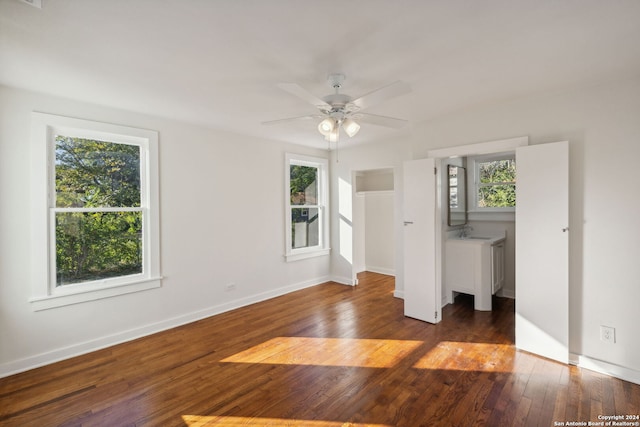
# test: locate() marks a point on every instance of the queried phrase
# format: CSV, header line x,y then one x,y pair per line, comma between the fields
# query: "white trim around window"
x,y
44,292
320,206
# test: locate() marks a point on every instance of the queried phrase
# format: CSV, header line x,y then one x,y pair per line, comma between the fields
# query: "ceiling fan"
x,y
339,110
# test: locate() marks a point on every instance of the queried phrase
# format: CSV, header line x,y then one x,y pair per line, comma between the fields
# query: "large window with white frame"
x,y
306,198
95,197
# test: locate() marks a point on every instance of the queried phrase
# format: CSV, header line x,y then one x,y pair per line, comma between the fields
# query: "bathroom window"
x,y
494,183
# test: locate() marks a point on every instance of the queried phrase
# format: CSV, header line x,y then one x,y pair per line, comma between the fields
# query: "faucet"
x,y
464,231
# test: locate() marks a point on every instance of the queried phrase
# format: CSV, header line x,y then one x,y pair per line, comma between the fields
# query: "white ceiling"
x,y
217,62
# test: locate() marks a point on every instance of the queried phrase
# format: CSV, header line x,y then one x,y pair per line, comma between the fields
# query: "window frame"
x,y
45,294
475,162
322,248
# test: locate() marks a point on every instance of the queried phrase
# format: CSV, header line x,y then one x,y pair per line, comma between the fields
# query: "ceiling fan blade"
x,y
374,119
293,119
300,92
377,96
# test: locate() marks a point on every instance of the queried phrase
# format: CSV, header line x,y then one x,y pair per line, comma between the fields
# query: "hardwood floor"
x,y
329,355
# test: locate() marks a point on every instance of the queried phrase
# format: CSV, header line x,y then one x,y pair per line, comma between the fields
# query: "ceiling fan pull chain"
x,y
337,147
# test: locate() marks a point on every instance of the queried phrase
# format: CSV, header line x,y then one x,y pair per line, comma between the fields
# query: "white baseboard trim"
x,y
381,270
606,368
398,293
343,280
47,358
507,293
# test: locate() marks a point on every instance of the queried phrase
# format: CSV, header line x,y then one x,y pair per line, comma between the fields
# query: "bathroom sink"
x,y
478,238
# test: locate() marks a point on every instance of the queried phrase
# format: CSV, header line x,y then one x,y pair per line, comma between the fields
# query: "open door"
x,y
421,294
542,255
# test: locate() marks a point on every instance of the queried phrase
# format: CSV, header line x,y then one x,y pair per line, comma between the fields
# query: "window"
x,y
495,183
306,207
95,195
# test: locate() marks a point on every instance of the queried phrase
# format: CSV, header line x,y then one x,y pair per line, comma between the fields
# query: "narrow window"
x,y
306,190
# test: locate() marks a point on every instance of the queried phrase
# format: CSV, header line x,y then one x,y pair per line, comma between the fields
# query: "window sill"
x,y
491,216
307,254
61,300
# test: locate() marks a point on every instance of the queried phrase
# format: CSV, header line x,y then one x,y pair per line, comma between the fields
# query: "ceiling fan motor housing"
x,y
337,99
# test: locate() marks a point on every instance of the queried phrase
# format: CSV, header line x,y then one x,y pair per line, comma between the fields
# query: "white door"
x,y
542,255
420,273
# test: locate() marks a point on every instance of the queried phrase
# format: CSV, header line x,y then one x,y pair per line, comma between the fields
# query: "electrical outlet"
x,y
229,287
608,334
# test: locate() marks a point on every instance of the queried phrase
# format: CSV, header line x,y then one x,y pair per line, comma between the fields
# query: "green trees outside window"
x,y
497,184
98,214
304,202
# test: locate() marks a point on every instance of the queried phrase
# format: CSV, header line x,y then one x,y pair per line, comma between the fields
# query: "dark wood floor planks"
x,y
463,371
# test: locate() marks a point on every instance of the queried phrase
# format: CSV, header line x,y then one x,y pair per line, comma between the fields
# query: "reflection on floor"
x,y
326,356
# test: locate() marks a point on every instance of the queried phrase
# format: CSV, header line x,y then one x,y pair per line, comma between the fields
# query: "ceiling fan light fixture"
x,y
327,126
350,127
333,136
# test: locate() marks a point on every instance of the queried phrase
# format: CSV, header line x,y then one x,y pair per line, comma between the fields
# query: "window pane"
x,y
92,173
498,171
305,227
453,197
497,196
97,245
304,185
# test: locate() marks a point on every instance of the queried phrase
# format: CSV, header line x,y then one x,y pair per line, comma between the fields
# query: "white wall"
x,y
603,127
379,232
222,207
201,251
359,233
373,223
360,158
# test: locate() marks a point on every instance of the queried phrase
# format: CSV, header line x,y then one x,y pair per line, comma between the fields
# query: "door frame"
x,y
490,147
534,343
358,200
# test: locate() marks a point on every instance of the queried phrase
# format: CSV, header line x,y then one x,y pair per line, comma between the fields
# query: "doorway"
x,y
374,213
541,273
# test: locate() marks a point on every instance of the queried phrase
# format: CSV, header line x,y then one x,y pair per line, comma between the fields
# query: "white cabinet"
x,y
475,266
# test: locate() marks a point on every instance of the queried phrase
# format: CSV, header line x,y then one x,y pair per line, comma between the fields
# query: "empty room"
x,y
337,213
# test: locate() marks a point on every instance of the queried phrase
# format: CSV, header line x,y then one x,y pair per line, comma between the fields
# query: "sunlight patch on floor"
x,y
202,421
364,353
469,356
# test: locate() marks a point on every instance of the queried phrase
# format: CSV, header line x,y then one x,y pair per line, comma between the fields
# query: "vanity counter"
x,y
483,240
474,265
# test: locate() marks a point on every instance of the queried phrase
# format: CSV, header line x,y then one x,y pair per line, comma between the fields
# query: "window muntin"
x,y
97,184
306,222
495,182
